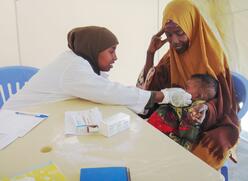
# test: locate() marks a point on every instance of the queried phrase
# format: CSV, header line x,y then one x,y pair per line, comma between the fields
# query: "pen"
x,y
83,125
31,114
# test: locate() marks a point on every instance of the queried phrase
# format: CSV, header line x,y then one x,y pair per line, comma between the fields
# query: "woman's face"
x,y
106,58
176,37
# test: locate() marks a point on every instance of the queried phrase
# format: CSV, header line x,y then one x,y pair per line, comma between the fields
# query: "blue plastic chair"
x,y
12,79
240,84
241,92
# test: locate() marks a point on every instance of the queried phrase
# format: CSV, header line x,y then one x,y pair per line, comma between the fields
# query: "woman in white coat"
x,y
79,72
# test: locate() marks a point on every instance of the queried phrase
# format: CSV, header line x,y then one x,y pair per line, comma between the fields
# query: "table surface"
x,y
148,153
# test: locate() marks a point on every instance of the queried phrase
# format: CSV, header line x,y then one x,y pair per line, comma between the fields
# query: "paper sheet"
x,y
45,171
13,125
6,139
82,122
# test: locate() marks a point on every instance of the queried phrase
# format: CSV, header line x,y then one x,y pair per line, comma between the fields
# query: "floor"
x,y
239,171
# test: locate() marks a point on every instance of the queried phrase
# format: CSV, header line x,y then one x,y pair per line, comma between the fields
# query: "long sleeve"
x,y
157,78
79,80
71,76
211,117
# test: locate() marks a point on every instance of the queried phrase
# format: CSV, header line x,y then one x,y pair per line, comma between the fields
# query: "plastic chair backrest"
x,y
12,79
240,84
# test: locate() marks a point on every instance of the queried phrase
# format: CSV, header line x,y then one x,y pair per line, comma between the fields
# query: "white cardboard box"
x,y
114,124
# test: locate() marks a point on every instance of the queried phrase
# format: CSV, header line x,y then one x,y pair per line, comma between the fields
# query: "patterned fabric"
x,y
157,77
174,122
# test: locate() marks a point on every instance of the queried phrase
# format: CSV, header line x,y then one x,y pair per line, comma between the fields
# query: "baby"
x,y
183,124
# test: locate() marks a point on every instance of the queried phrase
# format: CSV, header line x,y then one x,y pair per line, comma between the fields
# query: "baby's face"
x,y
193,87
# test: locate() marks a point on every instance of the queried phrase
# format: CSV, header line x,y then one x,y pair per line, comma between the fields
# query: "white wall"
x,y
8,35
240,13
43,27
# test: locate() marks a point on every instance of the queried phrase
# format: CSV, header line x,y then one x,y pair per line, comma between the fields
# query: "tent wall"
x,y
240,15
42,28
8,36
34,32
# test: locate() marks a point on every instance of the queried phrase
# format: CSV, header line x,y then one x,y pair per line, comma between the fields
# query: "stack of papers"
x,y
90,121
82,122
15,124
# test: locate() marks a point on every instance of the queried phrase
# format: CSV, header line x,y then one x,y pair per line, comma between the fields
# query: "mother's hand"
x,y
217,142
156,42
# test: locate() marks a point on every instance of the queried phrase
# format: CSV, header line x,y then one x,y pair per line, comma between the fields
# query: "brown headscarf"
x,y
89,41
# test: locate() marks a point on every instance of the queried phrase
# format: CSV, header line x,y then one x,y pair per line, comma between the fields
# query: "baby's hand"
x,y
198,113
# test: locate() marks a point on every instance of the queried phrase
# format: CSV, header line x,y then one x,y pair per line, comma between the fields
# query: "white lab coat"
x,y
71,76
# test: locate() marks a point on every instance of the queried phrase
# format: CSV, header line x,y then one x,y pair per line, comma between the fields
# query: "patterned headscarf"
x,y
89,41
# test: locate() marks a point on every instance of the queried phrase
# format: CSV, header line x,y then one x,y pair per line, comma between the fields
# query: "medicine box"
x,y
114,124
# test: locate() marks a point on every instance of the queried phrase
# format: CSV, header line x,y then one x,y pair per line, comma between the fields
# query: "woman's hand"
x,y
217,141
156,42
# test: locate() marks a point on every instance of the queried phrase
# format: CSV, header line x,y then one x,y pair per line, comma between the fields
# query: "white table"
x,y
150,155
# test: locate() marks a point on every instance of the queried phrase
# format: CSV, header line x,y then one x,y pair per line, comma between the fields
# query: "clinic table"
x,y
150,155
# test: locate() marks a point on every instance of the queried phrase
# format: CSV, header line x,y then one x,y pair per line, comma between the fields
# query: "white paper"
x,y
6,139
14,125
82,122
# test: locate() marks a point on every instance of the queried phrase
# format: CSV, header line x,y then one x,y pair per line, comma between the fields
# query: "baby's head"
x,y
202,86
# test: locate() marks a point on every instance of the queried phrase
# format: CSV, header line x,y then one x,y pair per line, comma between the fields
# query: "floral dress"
x,y
175,123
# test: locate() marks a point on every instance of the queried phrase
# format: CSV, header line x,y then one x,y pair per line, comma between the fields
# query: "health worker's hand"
x,y
177,97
